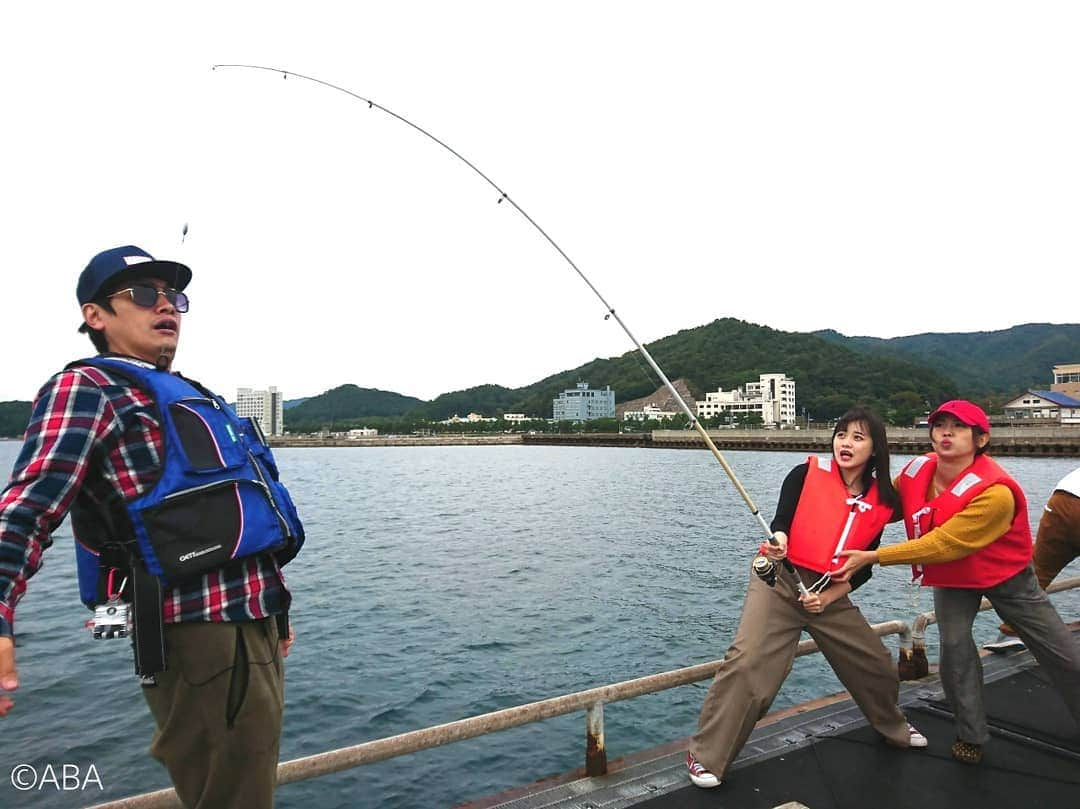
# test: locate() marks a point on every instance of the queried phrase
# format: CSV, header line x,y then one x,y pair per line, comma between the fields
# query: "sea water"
x,y
439,583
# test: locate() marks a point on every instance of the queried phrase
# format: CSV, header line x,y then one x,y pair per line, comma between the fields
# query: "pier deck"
x,y
825,756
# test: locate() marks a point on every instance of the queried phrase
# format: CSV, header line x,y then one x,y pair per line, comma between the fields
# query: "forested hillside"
x,y
13,418
901,376
343,405
728,353
998,364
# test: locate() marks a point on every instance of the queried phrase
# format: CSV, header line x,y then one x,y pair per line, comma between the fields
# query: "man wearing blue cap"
x,y
180,542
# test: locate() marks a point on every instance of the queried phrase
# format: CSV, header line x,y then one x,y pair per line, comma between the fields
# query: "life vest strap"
x,y
149,640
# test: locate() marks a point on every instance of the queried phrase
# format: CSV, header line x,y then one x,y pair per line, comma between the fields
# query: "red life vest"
x,y
990,565
828,520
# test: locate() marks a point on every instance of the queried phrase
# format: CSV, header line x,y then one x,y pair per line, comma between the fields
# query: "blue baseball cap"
x,y
132,261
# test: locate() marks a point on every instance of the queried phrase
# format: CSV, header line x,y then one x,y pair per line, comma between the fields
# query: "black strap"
x,y
149,634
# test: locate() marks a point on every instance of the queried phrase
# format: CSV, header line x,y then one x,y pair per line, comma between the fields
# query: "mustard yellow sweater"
x,y
986,518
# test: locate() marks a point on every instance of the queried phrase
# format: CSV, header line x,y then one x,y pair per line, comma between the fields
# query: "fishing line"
x,y
504,196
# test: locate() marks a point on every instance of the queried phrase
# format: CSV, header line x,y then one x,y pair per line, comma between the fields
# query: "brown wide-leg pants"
x,y
219,710
761,657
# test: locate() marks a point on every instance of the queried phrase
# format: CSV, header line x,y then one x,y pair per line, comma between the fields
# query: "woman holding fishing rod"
x,y
969,537
826,505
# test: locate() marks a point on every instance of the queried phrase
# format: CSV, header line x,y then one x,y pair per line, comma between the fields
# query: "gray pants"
x,y
761,657
1020,602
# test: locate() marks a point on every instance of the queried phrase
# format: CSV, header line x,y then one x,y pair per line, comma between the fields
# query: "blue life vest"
x,y
218,497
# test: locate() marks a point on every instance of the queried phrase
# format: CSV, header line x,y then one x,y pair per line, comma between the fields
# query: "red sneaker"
x,y
699,775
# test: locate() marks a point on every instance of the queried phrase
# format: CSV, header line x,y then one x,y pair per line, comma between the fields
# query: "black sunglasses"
x,y
146,297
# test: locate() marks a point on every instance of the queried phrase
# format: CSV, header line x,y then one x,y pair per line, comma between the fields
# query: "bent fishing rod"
x,y
503,196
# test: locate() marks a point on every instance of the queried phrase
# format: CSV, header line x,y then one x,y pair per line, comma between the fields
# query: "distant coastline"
x,y
1016,441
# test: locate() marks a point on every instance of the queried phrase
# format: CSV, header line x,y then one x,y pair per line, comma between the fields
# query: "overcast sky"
x,y
880,169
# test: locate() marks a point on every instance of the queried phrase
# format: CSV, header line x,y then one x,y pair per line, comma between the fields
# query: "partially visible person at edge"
x,y
1057,543
969,537
202,578
826,504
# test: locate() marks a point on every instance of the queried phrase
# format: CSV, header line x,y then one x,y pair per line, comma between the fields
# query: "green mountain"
x,y
488,400
832,372
727,353
13,418
345,404
900,376
994,365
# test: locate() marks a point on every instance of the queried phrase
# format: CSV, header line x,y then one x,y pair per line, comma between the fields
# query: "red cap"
x,y
971,414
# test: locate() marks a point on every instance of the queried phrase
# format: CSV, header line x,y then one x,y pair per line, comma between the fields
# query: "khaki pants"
x,y
1058,540
761,657
218,709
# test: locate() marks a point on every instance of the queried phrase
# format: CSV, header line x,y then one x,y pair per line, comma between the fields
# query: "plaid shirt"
x,y
90,429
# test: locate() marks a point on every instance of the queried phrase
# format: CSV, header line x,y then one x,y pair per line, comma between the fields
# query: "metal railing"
x,y
592,701
912,664
913,661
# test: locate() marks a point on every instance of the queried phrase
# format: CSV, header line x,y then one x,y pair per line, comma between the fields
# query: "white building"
x,y
515,418
583,404
772,398
363,432
265,406
1067,380
472,418
1044,404
648,413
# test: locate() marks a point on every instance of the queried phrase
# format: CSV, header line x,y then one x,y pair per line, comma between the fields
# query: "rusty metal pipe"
x,y
920,664
595,752
345,758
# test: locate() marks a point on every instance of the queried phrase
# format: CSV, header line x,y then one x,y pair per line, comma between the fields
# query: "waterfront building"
x,y
362,432
1044,405
472,418
772,398
584,404
1067,380
265,406
648,413
515,418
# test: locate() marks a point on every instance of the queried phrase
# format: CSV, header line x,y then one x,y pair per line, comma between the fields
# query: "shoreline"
x,y
1061,442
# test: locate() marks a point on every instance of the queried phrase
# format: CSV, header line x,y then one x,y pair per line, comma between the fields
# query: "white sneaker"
x,y
916,739
1004,643
699,775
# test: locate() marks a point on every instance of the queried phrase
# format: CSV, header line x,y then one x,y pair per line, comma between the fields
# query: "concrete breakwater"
x,y
395,441
1018,441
